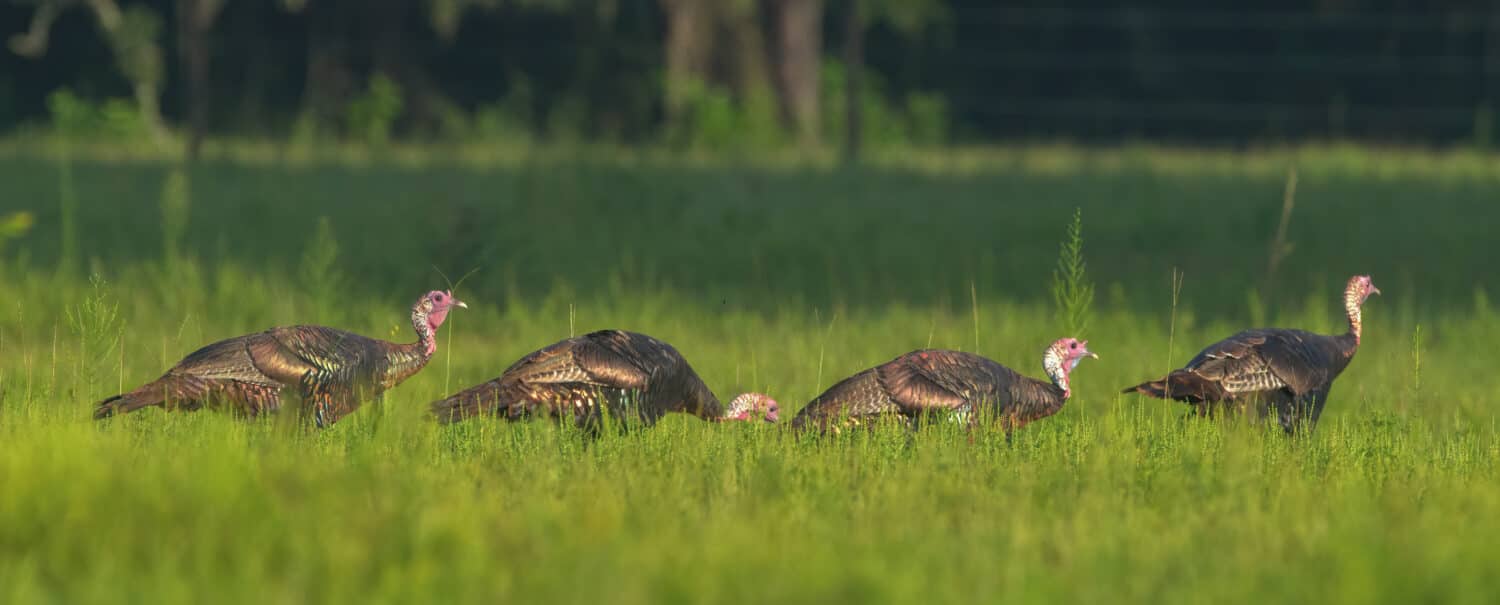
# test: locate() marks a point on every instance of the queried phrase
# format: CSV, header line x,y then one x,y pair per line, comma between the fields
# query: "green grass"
x,y
767,276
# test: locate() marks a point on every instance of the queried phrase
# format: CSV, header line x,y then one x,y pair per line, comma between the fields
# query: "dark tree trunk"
x,y
688,46
393,56
1491,65
854,59
799,34
748,59
195,19
328,80
250,111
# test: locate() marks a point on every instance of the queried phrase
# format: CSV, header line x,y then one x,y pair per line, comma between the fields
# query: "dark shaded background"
x,y
1218,72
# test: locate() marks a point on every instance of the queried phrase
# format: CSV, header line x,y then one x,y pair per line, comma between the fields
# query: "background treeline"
x,y
754,73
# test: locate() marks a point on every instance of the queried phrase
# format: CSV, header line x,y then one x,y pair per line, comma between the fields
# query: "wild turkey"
x,y
964,386
634,376
1285,369
330,371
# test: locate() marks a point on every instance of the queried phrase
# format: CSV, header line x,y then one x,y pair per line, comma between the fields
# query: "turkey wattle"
x,y
1286,370
952,382
326,370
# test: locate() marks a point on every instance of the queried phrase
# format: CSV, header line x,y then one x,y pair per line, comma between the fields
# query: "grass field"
x,y
780,277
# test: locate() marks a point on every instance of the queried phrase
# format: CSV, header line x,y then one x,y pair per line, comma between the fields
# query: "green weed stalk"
x,y
1072,292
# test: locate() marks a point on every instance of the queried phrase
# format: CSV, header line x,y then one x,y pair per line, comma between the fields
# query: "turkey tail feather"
x,y
1181,386
172,391
483,399
126,403
1154,388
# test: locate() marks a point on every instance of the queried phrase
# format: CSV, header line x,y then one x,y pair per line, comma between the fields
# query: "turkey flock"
x,y
324,374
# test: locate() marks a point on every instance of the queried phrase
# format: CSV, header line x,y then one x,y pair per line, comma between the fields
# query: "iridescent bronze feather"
x,y
942,383
630,376
328,372
1285,371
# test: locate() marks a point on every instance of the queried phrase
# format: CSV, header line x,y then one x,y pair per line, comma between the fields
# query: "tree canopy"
x,y
755,72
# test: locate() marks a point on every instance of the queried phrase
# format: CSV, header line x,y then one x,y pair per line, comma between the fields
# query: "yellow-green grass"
x,y
781,278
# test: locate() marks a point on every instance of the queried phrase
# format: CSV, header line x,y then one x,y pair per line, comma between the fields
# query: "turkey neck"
x,y
1035,398
405,360
707,404
1350,340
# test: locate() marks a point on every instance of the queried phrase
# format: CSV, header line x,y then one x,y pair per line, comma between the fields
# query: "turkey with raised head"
x,y
1286,370
964,386
328,371
630,376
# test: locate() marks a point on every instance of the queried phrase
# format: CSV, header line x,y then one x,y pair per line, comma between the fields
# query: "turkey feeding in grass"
x,y
629,376
963,386
1286,370
328,371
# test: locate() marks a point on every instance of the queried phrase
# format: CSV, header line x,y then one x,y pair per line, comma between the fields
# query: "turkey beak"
x,y
461,304
1373,289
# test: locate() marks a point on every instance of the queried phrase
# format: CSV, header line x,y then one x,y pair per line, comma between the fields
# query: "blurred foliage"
x,y
176,206
1484,126
919,119
133,36
74,117
136,47
447,15
910,17
372,114
318,272
718,117
717,120
14,226
508,119
938,71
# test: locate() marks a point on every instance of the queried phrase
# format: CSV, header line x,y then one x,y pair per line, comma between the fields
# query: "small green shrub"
x,y
74,117
1072,292
176,203
372,115
318,273
97,325
14,226
1484,127
922,118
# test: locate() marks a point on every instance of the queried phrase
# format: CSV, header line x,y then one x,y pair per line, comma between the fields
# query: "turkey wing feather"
x,y
1265,360
224,360
577,362
915,387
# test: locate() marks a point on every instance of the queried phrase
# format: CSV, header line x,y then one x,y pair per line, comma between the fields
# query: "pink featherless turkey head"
x,y
436,305
1062,357
750,406
1362,286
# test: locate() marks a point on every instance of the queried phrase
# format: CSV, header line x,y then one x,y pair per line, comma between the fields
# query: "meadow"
x,y
774,275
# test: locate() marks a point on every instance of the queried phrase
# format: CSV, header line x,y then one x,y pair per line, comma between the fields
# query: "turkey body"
x,y
1285,371
629,376
962,386
327,371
